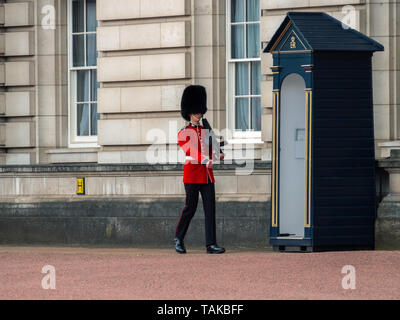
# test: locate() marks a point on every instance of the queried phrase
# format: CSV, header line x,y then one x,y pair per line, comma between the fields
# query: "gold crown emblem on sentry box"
x,y
293,43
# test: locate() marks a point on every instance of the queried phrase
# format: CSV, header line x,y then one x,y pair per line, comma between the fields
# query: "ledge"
x,y
95,167
73,155
391,162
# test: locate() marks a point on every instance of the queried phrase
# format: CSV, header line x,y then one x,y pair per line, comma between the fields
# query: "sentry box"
x,y
323,161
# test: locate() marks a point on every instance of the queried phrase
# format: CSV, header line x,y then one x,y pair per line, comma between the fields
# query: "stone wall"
x,y
128,205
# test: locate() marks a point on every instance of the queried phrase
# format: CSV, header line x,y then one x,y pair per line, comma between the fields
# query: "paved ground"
x,y
96,273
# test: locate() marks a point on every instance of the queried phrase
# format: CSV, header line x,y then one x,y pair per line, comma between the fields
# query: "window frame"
x,y
249,136
73,139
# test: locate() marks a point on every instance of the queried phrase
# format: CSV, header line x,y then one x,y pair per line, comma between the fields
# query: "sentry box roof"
x,y
318,31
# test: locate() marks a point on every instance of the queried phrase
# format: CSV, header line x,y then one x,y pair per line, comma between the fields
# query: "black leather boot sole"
x,y
215,249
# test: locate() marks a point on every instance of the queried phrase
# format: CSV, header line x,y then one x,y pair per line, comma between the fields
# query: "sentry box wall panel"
x,y
323,162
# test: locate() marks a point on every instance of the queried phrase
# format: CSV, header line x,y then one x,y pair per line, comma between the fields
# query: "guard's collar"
x,y
194,125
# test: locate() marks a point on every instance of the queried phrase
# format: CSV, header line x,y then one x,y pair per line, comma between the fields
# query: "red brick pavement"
x,y
116,273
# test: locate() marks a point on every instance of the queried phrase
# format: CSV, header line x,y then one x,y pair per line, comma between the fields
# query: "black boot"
x,y
215,249
179,246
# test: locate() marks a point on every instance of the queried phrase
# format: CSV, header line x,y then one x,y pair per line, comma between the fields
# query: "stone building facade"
x,y
91,88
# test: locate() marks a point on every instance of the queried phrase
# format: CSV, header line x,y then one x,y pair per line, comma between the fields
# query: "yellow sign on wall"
x,y
80,185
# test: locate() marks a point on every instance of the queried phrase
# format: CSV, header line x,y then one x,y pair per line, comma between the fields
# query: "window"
x,y
82,65
244,68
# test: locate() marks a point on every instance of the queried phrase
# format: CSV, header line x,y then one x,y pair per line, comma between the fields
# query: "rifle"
x,y
212,140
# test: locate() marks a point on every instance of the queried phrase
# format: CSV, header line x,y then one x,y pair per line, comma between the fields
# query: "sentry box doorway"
x,y
323,159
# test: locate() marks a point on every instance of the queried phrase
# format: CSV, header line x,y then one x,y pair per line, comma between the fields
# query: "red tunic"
x,y
191,139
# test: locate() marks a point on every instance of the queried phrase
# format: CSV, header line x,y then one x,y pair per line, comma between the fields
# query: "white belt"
x,y
191,158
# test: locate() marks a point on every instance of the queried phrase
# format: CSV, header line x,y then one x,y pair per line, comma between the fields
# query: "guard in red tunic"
x,y
198,174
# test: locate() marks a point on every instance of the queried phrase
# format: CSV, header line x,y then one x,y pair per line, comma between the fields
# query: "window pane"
x,y
91,50
77,16
256,112
253,10
78,48
94,117
82,86
253,40
242,114
256,77
237,10
94,85
237,42
242,78
91,21
82,124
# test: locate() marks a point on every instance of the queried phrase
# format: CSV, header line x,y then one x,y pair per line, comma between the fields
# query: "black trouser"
x,y
192,190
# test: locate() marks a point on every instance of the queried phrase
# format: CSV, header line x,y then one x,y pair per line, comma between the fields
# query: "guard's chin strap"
x,y
194,125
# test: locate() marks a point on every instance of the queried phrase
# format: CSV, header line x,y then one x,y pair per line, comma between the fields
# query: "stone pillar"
x,y
383,27
17,79
387,227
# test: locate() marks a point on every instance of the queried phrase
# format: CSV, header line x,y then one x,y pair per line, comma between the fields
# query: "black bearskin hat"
x,y
194,100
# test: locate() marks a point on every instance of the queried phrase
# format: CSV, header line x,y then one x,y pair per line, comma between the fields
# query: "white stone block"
x,y
135,9
108,38
162,185
19,104
20,134
160,130
266,127
145,67
2,18
18,14
140,36
109,156
119,131
2,134
109,100
165,66
253,184
47,132
266,94
19,43
125,68
118,9
2,103
381,87
141,99
2,43
19,73
100,186
175,34
163,8
273,4
203,32
2,73
171,97
382,60
325,3
380,21
204,62
130,186
226,184
18,158
382,121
